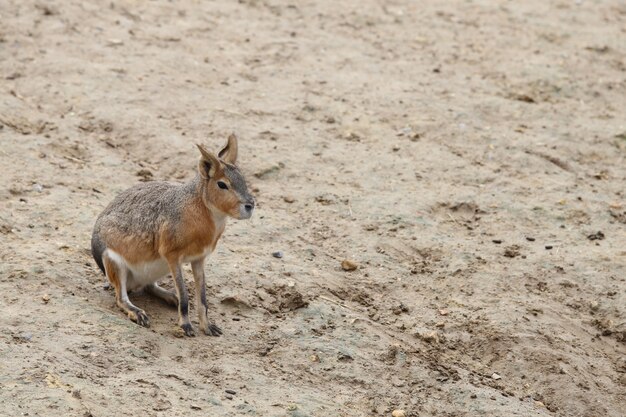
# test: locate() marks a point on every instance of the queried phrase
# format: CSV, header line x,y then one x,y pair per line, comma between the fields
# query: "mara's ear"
x,y
229,152
208,163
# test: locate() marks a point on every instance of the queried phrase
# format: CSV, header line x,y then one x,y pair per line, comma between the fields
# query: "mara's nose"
x,y
249,206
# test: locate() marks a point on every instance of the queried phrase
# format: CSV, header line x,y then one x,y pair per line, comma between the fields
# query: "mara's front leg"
x,y
183,299
201,305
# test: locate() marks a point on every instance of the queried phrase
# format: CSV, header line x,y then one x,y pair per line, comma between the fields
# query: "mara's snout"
x,y
246,209
151,229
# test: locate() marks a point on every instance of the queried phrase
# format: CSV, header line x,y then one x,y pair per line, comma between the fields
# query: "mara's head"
x,y
223,186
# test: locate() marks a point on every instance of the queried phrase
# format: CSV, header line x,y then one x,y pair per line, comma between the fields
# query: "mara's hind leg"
x,y
168,296
118,275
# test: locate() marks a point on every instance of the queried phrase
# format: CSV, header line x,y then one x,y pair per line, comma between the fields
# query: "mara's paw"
x,y
213,330
188,329
140,317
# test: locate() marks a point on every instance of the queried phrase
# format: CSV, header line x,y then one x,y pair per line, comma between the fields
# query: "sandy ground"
x,y
466,154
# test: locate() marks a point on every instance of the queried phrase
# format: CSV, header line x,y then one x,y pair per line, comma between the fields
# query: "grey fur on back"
x,y
140,210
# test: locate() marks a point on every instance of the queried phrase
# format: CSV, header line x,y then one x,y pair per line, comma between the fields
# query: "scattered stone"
x,y
228,397
45,298
596,236
512,251
548,247
429,336
495,376
236,302
399,309
349,265
278,254
344,357
230,391
352,136
145,175
195,407
314,358
178,332
37,187
443,312
289,199
398,413
530,239
267,172
76,394
497,241
23,337
327,199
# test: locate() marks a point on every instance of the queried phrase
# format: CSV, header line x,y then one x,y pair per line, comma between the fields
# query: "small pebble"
x,y
289,199
229,397
548,247
497,241
495,376
277,254
398,413
230,391
45,298
530,239
348,265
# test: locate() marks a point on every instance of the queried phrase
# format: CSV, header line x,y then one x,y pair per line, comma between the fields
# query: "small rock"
x,y
530,239
398,413
539,404
314,358
596,236
495,376
497,241
228,397
178,332
267,172
145,174
512,251
443,312
76,394
45,298
230,391
24,337
344,357
195,407
349,265
278,254
548,247
38,187
426,335
289,199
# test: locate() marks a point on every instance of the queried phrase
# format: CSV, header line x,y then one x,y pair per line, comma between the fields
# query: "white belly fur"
x,y
148,272
140,274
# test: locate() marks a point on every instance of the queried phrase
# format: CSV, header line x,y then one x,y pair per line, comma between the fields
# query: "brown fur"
x,y
153,227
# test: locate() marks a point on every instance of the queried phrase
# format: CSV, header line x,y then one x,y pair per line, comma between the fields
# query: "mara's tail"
x,y
97,249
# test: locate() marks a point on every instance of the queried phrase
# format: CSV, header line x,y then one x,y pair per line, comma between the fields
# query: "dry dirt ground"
x,y
470,156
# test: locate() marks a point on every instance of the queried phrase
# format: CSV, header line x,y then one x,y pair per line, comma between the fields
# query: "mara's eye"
x,y
222,185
